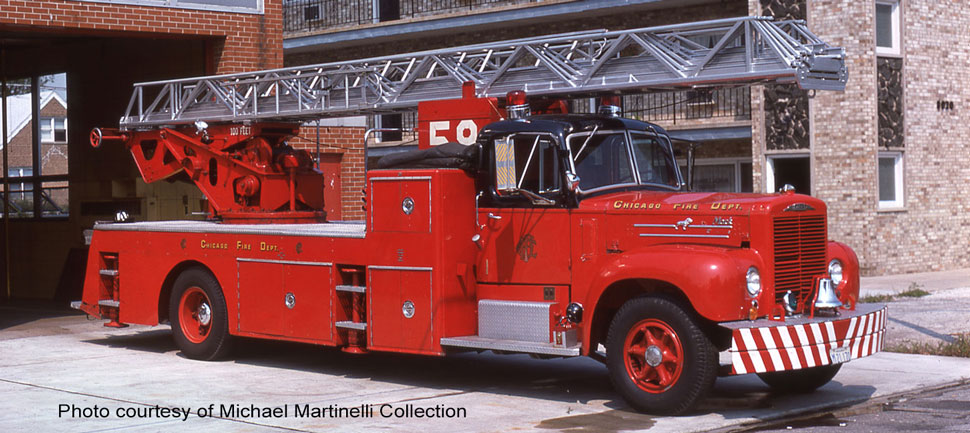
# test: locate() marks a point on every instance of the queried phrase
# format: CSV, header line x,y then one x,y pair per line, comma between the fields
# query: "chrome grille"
x,y
799,254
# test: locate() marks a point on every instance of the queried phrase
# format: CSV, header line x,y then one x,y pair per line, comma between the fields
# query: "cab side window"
x,y
536,165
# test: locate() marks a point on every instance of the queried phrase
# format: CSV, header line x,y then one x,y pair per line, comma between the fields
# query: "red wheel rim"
x,y
195,315
653,355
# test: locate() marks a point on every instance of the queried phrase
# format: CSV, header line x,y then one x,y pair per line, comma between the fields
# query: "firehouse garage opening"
x,y
56,185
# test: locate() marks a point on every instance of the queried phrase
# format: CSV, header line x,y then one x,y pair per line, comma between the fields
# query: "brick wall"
x,y
932,231
347,142
240,42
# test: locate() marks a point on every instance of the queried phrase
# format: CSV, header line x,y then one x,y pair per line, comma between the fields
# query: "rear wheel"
x,y
197,311
658,358
800,381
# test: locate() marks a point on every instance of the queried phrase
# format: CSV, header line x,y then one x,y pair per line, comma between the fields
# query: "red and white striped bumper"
x,y
763,345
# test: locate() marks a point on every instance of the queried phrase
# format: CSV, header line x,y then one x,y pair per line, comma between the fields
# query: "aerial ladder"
x,y
229,132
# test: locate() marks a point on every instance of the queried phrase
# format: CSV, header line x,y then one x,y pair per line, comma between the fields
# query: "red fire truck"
x,y
555,235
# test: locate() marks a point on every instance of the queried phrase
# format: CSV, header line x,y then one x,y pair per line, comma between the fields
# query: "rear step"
x,y
482,343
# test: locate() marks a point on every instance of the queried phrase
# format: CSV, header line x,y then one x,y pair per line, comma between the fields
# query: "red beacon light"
x,y
516,105
610,106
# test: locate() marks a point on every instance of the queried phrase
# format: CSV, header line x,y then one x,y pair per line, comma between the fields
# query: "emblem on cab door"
x,y
526,249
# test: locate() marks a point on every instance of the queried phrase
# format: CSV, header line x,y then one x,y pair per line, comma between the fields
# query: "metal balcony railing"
x,y
312,15
680,105
688,105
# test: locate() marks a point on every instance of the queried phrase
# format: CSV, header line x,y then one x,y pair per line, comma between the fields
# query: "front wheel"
x,y
800,381
658,358
197,311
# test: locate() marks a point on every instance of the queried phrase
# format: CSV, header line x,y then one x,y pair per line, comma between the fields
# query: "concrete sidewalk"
x,y
933,282
52,366
935,318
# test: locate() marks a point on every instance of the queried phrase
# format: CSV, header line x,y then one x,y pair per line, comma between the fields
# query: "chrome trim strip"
x,y
402,178
401,268
662,235
282,262
674,226
317,230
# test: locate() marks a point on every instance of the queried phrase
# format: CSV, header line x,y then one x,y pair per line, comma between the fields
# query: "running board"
x,y
481,343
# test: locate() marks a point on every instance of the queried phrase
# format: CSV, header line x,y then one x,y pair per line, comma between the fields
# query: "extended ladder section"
x,y
735,50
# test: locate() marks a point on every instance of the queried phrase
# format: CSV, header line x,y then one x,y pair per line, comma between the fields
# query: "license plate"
x,y
840,355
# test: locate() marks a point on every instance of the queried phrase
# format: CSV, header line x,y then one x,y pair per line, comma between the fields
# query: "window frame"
x,y
52,123
770,186
898,185
36,179
896,20
732,161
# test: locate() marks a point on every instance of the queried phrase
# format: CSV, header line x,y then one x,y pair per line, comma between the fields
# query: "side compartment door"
x,y
259,291
400,309
308,286
287,299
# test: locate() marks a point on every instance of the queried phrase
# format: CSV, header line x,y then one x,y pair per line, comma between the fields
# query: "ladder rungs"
x,y
109,272
111,303
348,288
352,325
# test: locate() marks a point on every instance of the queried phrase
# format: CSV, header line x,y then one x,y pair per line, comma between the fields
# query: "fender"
x,y
849,288
712,278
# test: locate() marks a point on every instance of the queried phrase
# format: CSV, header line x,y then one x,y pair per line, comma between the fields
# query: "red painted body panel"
x,y
525,246
457,120
256,271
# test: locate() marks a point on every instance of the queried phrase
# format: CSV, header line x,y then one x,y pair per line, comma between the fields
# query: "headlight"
x,y
835,271
754,281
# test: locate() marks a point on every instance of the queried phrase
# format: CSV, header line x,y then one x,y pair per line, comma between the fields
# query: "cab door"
x,y
526,240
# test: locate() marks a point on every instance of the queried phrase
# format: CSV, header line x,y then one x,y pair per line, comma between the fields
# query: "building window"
x,y
53,130
387,10
890,180
720,175
887,27
789,169
311,13
36,182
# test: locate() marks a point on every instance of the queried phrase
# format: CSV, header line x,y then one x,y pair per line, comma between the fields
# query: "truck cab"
x,y
587,219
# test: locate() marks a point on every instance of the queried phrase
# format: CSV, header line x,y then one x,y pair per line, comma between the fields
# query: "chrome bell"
x,y
826,295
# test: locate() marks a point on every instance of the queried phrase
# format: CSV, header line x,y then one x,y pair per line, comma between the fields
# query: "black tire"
x,y
800,381
681,379
197,335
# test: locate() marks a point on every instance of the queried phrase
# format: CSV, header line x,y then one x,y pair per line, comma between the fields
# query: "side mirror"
x,y
572,182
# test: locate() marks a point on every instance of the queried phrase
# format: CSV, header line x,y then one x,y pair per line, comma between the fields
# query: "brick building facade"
x,y
881,154
235,42
100,48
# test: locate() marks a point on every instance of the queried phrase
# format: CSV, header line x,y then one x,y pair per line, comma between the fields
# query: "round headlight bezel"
x,y
753,282
836,271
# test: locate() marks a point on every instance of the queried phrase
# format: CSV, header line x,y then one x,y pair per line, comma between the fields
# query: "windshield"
x,y
603,159
654,163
